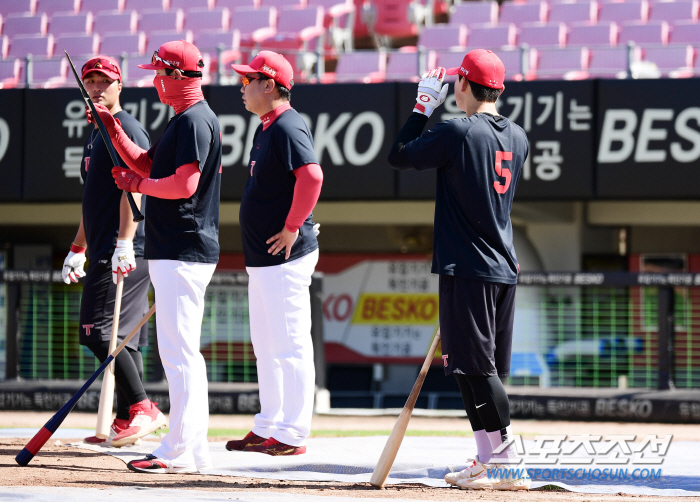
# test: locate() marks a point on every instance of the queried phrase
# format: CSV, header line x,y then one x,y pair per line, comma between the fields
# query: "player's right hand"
x,y
431,92
107,118
73,265
123,259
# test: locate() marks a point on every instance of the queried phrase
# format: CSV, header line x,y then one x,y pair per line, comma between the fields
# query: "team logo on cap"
x,y
466,72
271,71
98,65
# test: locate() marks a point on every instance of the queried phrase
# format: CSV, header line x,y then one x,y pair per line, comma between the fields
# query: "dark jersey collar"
x,y
270,117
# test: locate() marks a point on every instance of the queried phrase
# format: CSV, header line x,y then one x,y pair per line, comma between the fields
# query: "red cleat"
x,y
145,418
251,439
118,426
275,448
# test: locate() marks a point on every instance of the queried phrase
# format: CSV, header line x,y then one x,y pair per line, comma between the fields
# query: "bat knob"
x,y
24,457
138,218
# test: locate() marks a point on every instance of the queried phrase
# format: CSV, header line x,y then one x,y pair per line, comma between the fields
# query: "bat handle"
x,y
138,216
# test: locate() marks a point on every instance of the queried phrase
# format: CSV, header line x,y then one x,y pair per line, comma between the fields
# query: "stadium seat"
x,y
388,19
574,12
208,42
78,45
278,4
135,76
157,38
360,29
23,24
562,64
339,19
235,4
4,46
469,13
443,36
96,6
624,11
611,62
254,25
144,5
603,33
653,32
50,7
512,60
117,43
519,13
489,37
115,21
39,46
187,5
68,22
359,66
404,66
685,32
49,73
156,20
199,20
10,71
674,61
18,7
672,12
543,35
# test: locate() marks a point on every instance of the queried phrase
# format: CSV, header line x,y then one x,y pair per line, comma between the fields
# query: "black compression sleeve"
x,y
412,129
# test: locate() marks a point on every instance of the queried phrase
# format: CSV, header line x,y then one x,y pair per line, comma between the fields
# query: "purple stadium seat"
x,y
543,35
603,33
254,25
610,62
157,20
685,32
116,43
49,73
96,6
519,13
23,24
443,36
144,5
296,27
199,20
512,60
278,4
624,11
40,46
469,13
360,66
10,73
209,41
135,76
403,67
68,22
672,12
78,45
50,7
4,46
653,32
187,5
674,61
17,7
573,12
236,4
487,36
562,64
115,21
157,38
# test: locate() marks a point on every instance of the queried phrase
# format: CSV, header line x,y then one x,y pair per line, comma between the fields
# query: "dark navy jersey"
x,y
285,145
187,229
478,160
101,196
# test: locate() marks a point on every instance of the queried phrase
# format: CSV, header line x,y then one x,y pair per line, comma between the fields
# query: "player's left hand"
x,y
123,259
126,179
282,240
431,92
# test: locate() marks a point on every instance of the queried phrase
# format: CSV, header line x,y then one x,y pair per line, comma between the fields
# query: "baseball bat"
x,y
391,448
105,137
104,411
41,437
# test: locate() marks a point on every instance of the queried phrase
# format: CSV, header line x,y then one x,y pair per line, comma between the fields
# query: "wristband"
x,y
77,249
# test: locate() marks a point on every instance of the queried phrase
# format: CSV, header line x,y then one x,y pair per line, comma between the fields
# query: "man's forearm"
x,y
412,129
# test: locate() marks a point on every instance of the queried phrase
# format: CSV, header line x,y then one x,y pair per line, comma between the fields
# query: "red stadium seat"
x,y
392,19
67,22
339,20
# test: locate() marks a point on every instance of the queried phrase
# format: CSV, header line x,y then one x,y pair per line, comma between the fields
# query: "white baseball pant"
x,y
279,305
180,287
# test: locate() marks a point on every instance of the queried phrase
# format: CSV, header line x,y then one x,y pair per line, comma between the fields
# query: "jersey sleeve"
x,y
434,148
295,146
194,140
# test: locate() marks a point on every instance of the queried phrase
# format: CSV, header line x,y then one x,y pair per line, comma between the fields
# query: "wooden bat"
x,y
391,448
105,137
104,411
41,437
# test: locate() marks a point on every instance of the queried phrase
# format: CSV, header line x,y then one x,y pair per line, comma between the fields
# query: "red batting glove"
x,y
126,179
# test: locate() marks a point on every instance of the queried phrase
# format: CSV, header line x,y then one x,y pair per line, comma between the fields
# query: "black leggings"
x,y
128,373
485,401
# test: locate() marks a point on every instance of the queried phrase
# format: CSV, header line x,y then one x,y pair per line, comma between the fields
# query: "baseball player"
x,y
181,174
281,251
478,160
115,243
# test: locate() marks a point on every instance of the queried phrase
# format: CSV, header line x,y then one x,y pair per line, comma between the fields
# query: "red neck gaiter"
x,y
180,94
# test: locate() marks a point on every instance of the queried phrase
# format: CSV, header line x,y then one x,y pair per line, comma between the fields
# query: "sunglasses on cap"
x,y
173,65
100,64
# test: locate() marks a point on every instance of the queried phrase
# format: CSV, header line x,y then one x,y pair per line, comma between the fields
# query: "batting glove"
x,y
73,264
431,92
126,179
317,226
123,259
108,119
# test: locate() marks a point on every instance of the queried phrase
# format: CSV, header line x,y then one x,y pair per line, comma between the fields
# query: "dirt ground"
x,y
59,465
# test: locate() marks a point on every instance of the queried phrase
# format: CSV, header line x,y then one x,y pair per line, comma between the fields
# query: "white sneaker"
x,y
474,477
515,479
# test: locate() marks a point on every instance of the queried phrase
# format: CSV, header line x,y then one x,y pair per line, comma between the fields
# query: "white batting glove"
x,y
123,259
73,265
316,229
431,92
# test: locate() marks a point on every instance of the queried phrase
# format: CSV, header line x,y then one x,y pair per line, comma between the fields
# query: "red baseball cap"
x,y
102,64
178,54
483,67
270,64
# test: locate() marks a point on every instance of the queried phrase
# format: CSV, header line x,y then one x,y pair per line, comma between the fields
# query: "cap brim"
x,y
149,66
452,71
111,74
242,69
